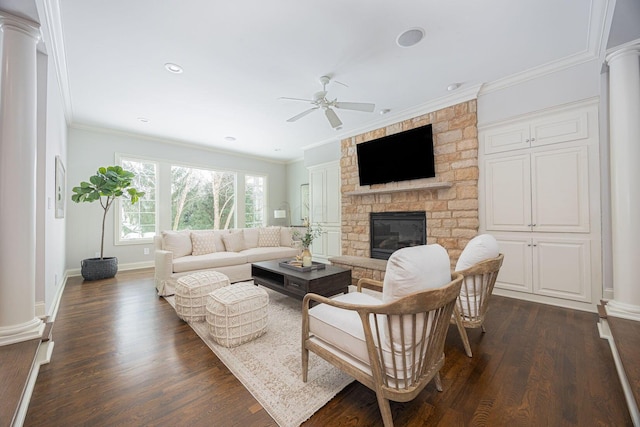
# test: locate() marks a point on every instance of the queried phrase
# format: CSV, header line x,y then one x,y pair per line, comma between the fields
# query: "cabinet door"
x,y
333,195
316,192
508,193
334,243
515,273
562,268
561,127
506,138
560,190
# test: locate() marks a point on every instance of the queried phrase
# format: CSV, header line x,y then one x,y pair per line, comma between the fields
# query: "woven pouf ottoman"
x,y
237,314
191,293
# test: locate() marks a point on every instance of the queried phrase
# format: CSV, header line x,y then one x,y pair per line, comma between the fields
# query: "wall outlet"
x,y
146,251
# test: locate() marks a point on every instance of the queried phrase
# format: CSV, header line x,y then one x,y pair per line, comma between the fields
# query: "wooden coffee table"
x,y
329,281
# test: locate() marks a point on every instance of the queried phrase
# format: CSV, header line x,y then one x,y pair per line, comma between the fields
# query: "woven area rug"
x,y
270,366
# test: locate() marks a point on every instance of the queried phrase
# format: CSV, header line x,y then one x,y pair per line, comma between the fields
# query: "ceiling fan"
x,y
320,101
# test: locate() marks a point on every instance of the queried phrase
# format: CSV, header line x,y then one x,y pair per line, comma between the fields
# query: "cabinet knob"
x,y
533,139
527,140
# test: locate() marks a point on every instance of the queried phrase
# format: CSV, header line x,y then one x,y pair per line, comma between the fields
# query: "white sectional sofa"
x,y
231,252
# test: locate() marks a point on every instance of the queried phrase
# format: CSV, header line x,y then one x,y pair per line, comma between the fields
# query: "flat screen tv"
x,y
399,157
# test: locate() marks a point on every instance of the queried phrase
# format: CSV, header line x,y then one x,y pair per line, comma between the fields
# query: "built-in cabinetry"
x,y
540,197
325,206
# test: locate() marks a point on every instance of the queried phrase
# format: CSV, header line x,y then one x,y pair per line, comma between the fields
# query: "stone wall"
x,y
452,213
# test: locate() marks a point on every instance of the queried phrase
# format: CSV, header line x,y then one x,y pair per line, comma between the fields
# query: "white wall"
x,y
50,231
90,149
571,84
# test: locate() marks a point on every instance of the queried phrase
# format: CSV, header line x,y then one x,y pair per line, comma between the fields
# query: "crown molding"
x,y
51,28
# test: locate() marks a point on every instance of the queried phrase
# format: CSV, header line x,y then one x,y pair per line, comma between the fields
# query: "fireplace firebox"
x,y
390,231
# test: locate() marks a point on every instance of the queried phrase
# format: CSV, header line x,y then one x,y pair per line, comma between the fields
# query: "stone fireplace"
x,y
450,200
391,231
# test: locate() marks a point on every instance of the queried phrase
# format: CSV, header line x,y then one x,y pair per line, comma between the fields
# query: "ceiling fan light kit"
x,y
320,101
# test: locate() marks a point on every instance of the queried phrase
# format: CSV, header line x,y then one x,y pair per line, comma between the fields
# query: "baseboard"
x,y
557,302
605,333
121,267
42,358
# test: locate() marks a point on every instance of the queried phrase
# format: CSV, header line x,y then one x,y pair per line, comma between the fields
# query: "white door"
x,y
560,190
516,272
508,193
562,268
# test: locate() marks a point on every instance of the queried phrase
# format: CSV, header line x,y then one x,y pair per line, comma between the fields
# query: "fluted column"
x,y
18,84
624,139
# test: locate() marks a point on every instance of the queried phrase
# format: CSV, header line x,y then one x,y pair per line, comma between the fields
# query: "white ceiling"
x,y
240,56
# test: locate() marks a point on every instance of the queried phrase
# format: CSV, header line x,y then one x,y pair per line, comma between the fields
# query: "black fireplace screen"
x,y
391,231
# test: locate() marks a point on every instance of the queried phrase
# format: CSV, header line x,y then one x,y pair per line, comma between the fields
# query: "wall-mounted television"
x,y
399,157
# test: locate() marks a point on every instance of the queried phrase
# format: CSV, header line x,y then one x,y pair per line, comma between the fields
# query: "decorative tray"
x,y
297,265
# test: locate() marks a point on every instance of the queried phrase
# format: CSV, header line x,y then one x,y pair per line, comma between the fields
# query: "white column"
x,y
624,139
18,83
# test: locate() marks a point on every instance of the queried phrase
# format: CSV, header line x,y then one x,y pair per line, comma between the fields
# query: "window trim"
x,y
117,225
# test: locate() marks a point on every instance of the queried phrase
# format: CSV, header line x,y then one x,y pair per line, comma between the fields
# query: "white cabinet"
x,y
558,267
324,190
540,191
559,127
539,195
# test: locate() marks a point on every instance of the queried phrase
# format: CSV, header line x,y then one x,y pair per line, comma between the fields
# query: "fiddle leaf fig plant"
x,y
107,185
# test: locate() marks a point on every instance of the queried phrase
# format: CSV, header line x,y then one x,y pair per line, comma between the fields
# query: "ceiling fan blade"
x,y
301,115
332,117
358,106
296,99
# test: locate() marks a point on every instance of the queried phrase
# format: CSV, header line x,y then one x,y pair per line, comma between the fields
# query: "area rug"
x,y
270,366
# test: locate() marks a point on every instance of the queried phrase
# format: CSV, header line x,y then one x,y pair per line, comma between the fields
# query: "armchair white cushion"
x,y
393,344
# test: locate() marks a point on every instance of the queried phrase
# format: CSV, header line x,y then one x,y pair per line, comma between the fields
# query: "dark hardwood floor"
x,y
123,358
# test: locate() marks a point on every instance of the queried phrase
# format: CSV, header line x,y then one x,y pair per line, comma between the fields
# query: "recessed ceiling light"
x,y
384,111
229,138
277,149
410,37
143,120
173,68
453,86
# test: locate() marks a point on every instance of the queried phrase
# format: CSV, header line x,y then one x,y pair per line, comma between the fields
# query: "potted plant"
x,y
106,185
307,238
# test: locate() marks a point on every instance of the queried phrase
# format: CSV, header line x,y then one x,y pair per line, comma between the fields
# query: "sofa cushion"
x,y
213,260
268,253
286,236
178,242
218,239
203,242
233,242
251,236
480,248
269,237
342,329
415,269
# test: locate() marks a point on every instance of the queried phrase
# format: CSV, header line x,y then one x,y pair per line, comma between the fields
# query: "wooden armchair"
x,y
480,264
393,345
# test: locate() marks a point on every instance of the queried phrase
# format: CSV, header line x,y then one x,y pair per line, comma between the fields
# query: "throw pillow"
x,y
203,242
413,269
286,237
250,237
269,237
178,242
233,242
478,249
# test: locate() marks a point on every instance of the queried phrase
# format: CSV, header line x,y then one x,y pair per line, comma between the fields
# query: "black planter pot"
x,y
99,268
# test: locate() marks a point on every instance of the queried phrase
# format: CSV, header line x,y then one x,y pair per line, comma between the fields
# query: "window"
x,y
138,222
255,202
202,199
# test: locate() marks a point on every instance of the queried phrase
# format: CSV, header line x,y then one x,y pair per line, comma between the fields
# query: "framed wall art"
x,y
61,183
